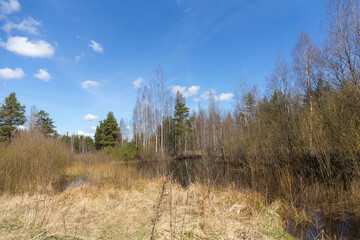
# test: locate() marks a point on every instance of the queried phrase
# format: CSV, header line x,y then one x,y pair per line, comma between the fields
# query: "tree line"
x,y
308,120
13,121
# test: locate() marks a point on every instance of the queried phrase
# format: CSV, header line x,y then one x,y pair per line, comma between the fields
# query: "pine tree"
x,y
12,114
45,124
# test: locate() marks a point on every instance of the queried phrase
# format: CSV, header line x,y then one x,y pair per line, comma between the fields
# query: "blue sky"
x,y
77,58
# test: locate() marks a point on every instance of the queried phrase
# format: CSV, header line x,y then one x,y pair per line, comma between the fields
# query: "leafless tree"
x,y
342,27
305,65
161,91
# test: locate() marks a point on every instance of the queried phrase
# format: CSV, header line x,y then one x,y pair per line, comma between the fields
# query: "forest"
x,y
280,158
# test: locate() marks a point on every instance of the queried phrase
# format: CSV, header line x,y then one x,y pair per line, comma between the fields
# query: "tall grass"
x,y
89,211
31,162
103,169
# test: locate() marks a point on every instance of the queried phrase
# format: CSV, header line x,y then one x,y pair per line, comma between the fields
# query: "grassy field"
x,y
115,201
159,210
48,193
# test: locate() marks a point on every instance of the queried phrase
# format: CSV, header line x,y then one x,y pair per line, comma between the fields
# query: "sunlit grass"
x,y
32,163
107,212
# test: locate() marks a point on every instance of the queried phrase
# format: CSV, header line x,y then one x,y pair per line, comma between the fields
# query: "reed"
x,y
32,163
104,170
105,212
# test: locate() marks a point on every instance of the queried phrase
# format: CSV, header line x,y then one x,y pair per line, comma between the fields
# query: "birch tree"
x,y
161,91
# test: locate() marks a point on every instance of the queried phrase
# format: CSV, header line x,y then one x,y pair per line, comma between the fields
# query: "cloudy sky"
x,y
77,60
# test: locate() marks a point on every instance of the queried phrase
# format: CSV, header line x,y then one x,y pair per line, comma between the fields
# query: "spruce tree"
x,y
111,130
12,114
89,144
99,136
45,124
107,133
66,139
181,122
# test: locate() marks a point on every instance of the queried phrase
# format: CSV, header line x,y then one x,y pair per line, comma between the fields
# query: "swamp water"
x,y
329,225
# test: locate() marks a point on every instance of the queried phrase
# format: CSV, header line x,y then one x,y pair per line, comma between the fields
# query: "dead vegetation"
x,y
104,198
31,163
93,212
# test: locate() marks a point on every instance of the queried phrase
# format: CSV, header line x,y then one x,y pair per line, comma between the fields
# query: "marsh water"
x,y
325,225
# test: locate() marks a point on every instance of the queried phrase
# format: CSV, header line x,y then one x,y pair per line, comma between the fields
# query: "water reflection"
x,y
325,226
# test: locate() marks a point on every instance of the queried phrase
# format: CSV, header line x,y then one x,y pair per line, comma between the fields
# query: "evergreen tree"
x,y
182,131
45,124
249,104
99,136
111,130
89,144
107,133
77,143
65,139
12,114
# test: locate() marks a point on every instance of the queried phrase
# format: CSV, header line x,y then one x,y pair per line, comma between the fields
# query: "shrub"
x,y
125,153
32,162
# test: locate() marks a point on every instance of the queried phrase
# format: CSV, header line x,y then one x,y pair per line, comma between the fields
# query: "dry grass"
x,y
103,170
117,201
31,163
93,212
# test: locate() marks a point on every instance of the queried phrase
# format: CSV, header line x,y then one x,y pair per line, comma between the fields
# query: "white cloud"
x,y
43,75
222,97
28,25
81,133
90,117
187,10
22,128
225,97
8,73
180,89
21,46
88,84
96,46
137,82
93,128
206,95
191,91
8,7
79,57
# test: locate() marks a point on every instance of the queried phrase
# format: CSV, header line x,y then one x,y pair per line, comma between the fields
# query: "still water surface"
x,y
344,225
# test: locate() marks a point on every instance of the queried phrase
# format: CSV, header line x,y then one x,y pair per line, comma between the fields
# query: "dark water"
x,y
66,181
328,227
344,225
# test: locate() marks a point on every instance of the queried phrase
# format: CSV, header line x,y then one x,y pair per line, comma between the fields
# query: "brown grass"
x,y
31,163
90,212
117,201
103,170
